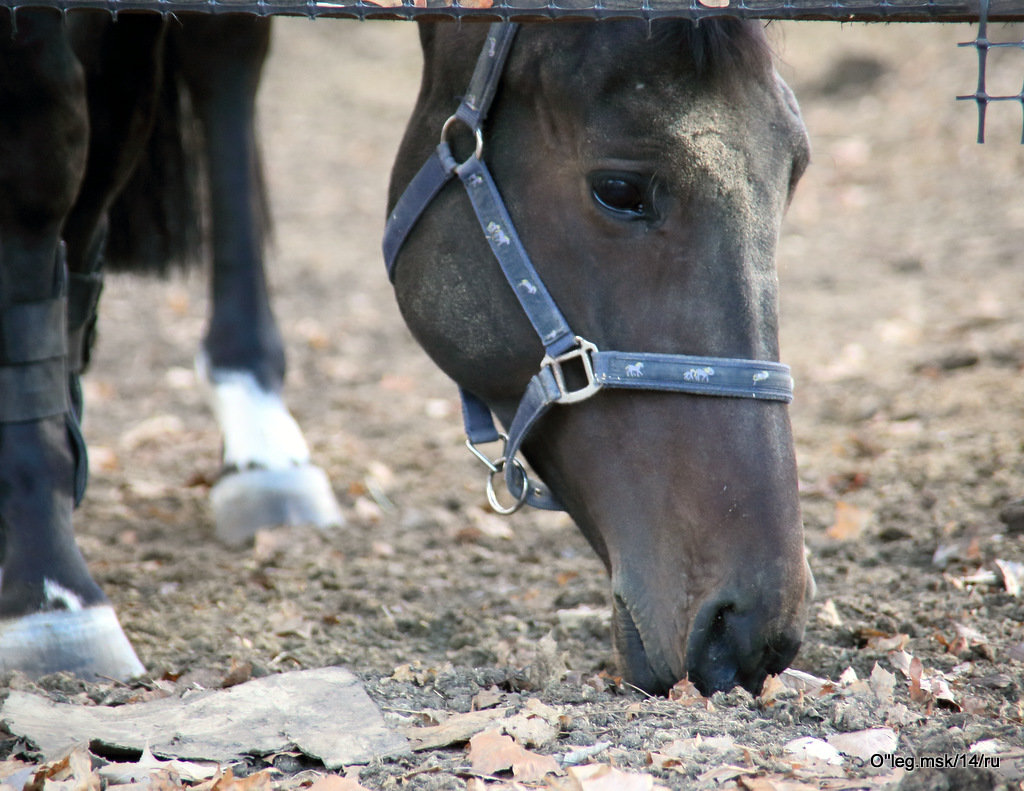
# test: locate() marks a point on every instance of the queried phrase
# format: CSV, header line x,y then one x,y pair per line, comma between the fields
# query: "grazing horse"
x,y
89,111
625,193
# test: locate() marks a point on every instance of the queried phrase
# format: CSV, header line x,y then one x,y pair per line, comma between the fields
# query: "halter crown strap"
x,y
440,167
474,106
678,373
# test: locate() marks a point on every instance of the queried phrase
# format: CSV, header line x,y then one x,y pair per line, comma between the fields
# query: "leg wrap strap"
x,y
33,372
34,382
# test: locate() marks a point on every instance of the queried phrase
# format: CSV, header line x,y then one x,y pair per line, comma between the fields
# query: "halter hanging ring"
x,y
497,468
492,497
477,134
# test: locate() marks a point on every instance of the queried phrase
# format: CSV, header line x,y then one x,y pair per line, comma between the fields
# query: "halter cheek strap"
x,y
678,373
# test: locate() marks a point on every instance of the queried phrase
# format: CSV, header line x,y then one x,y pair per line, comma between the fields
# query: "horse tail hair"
x,y
155,223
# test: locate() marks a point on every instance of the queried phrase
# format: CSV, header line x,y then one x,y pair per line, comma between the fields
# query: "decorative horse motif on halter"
x,y
699,374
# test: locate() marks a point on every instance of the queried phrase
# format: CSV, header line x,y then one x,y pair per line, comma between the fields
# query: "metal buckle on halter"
x,y
497,467
583,351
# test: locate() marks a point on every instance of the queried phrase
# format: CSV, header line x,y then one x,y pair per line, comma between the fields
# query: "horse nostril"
x,y
711,662
729,647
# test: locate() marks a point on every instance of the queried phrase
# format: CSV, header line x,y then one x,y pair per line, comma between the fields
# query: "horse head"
x,y
647,170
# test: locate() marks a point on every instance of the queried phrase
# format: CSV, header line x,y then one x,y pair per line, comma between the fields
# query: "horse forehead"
x,y
698,129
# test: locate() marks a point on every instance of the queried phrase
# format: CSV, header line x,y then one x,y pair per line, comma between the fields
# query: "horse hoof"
x,y
250,500
89,643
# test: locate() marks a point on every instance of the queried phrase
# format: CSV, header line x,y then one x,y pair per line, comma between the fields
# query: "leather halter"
x,y
679,373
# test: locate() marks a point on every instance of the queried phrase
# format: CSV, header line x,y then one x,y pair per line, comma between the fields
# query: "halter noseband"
x,y
679,373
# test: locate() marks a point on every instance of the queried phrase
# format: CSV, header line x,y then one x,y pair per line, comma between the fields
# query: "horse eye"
x,y
620,193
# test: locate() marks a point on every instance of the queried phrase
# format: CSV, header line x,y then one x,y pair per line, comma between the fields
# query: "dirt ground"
x,y
901,304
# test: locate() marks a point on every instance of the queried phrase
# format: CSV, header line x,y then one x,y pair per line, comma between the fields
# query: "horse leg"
x,y
268,478
53,616
123,66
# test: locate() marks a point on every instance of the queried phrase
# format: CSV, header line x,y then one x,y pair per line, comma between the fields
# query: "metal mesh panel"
x,y
981,96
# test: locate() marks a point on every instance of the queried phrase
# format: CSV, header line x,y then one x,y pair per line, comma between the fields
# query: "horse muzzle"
x,y
734,639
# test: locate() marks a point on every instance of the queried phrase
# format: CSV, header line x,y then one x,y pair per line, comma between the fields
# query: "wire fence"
x,y
982,12
529,10
984,46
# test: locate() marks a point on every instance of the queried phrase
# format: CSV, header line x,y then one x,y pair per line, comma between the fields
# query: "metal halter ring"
x,y
492,497
477,133
497,467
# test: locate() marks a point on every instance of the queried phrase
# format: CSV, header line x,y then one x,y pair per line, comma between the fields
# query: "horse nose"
x,y
733,644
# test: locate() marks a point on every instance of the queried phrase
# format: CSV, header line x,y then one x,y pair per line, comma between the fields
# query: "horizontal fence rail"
x,y
530,10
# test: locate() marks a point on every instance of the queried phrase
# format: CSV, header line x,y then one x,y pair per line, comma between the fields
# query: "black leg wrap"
x,y
34,371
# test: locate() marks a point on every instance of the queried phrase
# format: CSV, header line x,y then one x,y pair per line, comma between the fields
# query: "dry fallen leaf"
x,y
828,614
773,687
415,673
882,683
103,459
491,752
849,523
549,713
724,773
457,729
1012,574
776,783
914,672
685,693
811,750
239,673
662,761
602,777
73,772
259,781
894,642
967,637
581,754
866,743
807,683
336,783
156,429
961,550
486,699
925,687
529,730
